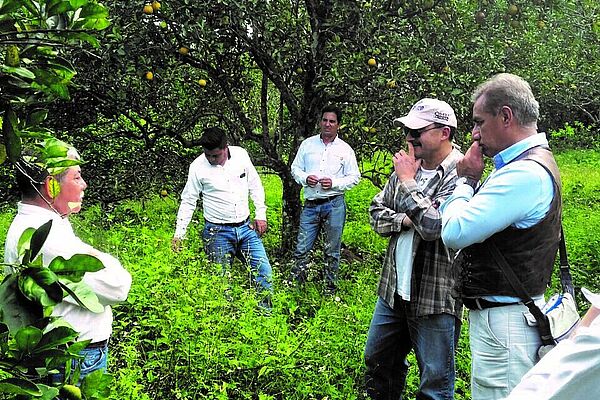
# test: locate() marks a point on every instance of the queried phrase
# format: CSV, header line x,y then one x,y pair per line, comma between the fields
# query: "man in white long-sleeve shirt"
x,y
40,203
326,167
224,176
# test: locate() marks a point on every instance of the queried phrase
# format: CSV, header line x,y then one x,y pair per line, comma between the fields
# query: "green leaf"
x,y
53,186
17,312
34,292
96,385
37,117
57,162
2,153
78,3
8,7
19,386
25,241
76,347
56,337
27,338
22,72
86,37
92,10
76,264
11,138
31,6
54,7
39,238
48,392
49,282
96,24
56,150
60,90
83,295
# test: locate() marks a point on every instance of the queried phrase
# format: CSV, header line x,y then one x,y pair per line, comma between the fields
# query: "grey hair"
x,y
512,91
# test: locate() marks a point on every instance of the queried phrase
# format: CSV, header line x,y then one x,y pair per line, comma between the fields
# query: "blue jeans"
x,y
95,359
503,348
223,243
331,217
393,333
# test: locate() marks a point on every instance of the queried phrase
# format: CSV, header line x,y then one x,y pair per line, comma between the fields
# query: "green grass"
x,y
189,332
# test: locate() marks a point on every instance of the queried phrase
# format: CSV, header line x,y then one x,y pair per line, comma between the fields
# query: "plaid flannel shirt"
x,y
432,281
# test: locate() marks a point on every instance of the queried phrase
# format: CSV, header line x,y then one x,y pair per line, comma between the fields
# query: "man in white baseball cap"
x,y
415,309
572,369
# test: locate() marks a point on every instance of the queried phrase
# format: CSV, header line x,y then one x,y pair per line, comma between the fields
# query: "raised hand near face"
x,y
405,164
471,165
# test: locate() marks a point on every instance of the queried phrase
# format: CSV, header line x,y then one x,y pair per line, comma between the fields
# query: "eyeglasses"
x,y
416,133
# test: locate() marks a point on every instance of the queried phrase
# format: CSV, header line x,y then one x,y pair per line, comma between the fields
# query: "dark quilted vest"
x,y
530,252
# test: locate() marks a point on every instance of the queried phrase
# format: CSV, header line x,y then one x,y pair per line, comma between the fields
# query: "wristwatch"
x,y
468,181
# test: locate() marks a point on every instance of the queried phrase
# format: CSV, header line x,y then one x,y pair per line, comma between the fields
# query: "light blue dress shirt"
x,y
517,194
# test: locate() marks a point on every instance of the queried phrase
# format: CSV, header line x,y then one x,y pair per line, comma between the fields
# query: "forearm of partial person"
x,y
112,283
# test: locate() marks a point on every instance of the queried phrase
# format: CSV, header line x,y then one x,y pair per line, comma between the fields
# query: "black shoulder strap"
x,y
540,317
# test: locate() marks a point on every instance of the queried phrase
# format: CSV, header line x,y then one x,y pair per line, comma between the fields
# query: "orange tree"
x,y
263,69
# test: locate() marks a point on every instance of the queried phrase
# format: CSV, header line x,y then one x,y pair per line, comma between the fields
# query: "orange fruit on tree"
x,y
148,9
513,9
149,75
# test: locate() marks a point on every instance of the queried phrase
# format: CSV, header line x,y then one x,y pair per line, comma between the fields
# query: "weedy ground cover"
x,y
188,331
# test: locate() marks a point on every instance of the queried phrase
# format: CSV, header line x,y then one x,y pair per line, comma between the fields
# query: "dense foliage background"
x,y
263,69
132,84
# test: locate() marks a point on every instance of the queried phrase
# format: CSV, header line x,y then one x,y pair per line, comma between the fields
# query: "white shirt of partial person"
x,y
224,190
405,251
110,284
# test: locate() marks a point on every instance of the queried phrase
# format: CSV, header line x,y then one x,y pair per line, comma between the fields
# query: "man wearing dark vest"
x,y
517,209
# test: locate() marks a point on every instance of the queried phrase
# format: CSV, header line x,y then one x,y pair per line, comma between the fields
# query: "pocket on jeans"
x,y
93,360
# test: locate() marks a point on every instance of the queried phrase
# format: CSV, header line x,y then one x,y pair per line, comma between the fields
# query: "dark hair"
x,y
213,137
30,178
332,109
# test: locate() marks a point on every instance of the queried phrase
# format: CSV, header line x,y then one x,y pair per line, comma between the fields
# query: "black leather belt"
x,y
323,200
97,345
232,224
482,304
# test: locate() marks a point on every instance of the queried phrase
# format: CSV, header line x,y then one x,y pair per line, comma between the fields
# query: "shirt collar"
x,y
31,209
332,142
510,153
450,160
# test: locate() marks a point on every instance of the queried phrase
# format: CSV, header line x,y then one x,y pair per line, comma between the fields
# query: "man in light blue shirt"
x,y
326,167
517,209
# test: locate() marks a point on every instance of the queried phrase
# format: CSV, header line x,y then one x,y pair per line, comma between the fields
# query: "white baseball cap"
x,y
427,111
592,297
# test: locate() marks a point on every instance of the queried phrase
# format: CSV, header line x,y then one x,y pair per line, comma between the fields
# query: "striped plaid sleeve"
x,y
384,218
